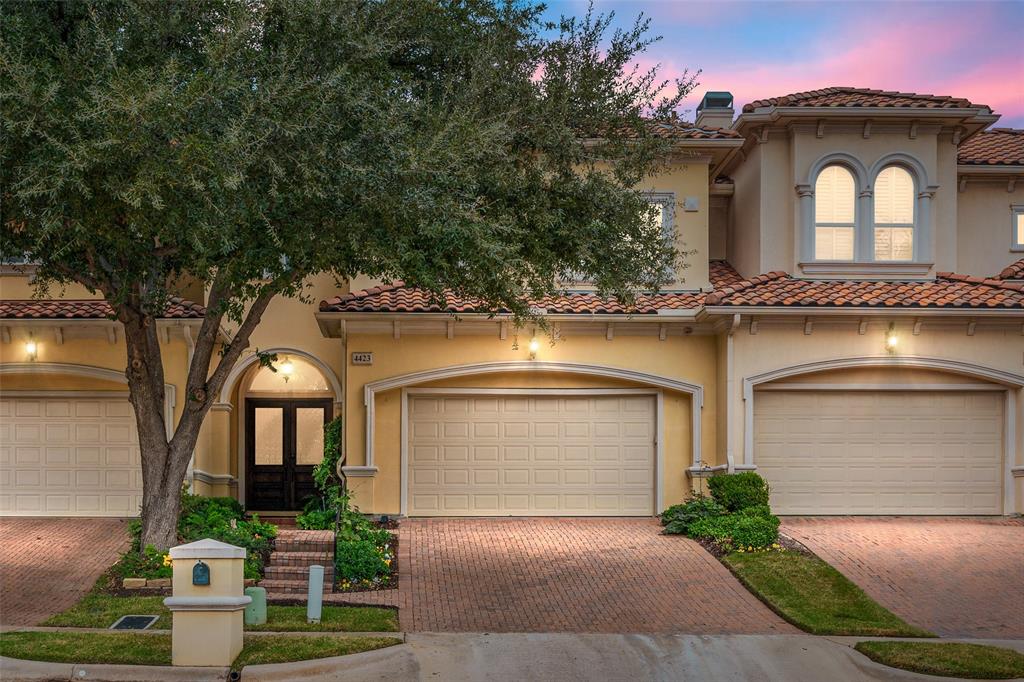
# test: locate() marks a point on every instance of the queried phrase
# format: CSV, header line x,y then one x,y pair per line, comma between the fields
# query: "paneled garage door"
x,y
880,452
69,457
495,455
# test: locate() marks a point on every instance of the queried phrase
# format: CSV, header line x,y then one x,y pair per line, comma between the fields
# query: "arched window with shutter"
x,y
894,219
835,222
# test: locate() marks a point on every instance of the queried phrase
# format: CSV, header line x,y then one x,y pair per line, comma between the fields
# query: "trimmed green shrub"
x,y
678,518
361,560
754,527
739,491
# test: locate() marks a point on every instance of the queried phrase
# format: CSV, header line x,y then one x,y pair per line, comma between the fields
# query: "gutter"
x,y
804,311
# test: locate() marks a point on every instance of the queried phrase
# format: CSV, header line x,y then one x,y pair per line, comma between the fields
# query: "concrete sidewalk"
x,y
596,657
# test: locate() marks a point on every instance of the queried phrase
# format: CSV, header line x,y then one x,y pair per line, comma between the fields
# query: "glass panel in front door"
x,y
309,435
269,436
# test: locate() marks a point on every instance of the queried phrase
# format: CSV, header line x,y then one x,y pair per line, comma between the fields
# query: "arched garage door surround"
x,y
371,389
89,372
988,376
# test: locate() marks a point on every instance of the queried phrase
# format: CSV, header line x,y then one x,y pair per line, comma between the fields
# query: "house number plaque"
x,y
362,358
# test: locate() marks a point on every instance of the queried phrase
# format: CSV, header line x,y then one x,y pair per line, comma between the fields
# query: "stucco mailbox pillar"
x,y
207,603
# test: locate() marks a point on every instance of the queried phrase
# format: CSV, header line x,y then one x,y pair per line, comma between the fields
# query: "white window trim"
x,y
863,262
1015,210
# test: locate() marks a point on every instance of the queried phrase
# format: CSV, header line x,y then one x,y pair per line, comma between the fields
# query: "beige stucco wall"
x,y
691,359
984,229
745,231
780,346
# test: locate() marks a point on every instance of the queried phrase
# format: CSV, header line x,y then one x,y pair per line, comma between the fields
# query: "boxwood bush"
x,y
739,491
736,516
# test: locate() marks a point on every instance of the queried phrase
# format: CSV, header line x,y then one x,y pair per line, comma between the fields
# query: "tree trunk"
x,y
165,460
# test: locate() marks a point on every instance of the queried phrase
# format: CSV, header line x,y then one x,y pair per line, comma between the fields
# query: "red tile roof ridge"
x,y
1014,270
717,296
987,281
796,98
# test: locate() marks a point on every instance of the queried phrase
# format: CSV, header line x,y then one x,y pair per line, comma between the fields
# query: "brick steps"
x,y
287,571
290,586
297,573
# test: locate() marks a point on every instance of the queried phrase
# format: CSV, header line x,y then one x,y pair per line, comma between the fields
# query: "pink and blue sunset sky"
x,y
765,49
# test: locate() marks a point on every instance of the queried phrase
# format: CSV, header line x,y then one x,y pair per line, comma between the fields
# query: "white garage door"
x,y
531,456
69,457
881,452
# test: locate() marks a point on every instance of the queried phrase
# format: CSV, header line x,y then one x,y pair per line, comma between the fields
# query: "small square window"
x,y
1017,228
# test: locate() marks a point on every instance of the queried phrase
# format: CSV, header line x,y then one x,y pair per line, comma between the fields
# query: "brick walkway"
x,y
563,575
48,564
958,577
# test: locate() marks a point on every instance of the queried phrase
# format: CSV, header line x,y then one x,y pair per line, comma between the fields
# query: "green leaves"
x,y
440,143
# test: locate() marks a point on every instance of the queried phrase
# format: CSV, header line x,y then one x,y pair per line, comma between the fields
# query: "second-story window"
x,y
835,222
894,215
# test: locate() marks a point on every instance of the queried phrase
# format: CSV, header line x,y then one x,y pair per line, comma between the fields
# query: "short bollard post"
x,y
315,595
207,603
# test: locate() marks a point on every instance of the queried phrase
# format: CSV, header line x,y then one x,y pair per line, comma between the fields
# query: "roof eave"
x,y
905,311
988,169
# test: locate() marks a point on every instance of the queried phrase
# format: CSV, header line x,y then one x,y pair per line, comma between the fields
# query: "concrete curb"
x,y
254,633
17,670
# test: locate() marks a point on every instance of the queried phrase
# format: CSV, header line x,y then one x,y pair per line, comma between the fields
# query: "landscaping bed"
x,y
947,659
123,648
735,524
219,518
366,551
100,608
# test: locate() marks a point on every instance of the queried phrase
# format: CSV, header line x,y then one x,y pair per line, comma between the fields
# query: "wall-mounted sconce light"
x,y
287,369
891,339
31,348
534,347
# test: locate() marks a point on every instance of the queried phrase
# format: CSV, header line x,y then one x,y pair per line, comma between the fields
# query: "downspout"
x,y
729,392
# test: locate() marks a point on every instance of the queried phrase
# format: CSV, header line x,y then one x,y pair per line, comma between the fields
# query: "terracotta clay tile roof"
x,y
681,130
92,309
842,96
398,298
995,147
1012,271
948,290
723,274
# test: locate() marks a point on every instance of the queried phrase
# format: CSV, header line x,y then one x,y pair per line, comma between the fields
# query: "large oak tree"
x,y
248,144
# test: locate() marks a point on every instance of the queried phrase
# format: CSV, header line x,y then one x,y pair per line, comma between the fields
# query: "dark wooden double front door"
x,y
284,440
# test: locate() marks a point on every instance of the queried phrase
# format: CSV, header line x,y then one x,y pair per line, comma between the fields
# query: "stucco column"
x,y
806,194
212,474
923,234
864,248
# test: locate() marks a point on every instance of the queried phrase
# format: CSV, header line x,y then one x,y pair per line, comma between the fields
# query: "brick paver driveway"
x,y
958,577
46,565
564,575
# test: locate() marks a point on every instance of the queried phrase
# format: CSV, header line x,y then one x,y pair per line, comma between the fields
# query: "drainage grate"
x,y
134,622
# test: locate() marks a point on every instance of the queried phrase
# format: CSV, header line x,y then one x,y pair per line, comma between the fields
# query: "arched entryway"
x,y
280,413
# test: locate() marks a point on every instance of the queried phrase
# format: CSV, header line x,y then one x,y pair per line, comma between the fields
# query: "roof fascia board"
x,y
804,311
987,169
662,316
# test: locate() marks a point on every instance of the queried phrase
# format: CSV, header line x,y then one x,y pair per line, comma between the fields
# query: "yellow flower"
x,y
167,559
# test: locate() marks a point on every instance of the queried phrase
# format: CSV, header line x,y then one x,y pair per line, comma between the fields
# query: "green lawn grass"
x,y
947,659
126,648
815,597
100,610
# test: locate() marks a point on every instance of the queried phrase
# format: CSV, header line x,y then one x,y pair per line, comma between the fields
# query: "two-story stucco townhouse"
x,y
850,325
